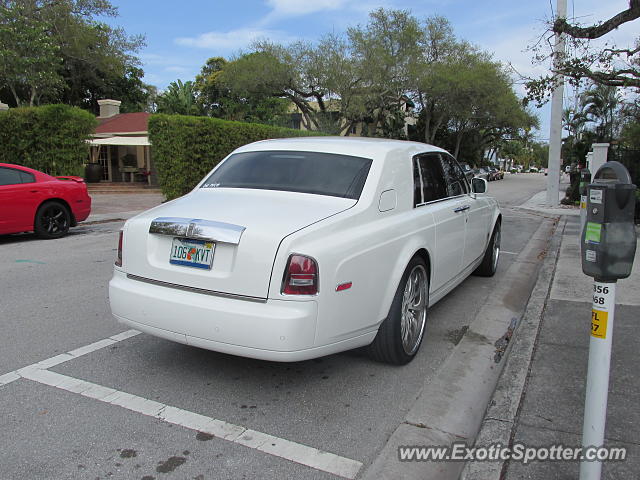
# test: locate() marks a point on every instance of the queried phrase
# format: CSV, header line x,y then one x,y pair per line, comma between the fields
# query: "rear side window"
x,y
306,172
26,177
456,180
429,183
13,176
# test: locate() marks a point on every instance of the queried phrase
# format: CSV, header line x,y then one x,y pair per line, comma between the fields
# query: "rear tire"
x,y
489,263
52,220
401,333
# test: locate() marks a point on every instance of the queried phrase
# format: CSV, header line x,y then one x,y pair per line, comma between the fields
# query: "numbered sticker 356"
x,y
602,303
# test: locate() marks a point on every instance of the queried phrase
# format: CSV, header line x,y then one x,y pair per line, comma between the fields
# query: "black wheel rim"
x,y
54,220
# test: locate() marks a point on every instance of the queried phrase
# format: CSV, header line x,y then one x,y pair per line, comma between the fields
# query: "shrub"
x,y
51,138
186,148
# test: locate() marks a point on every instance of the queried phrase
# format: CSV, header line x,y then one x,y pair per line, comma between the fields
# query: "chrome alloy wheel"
x,y
415,302
495,254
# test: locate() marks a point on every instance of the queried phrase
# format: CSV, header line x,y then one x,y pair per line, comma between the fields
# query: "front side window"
x,y
306,172
429,182
456,180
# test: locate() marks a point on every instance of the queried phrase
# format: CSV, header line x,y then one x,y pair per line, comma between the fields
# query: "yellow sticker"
x,y
599,323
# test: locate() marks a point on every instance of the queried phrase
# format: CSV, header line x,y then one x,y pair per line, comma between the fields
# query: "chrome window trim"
x,y
202,291
441,200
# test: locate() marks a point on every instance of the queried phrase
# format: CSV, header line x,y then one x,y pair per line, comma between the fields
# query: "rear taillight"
x,y
119,257
300,276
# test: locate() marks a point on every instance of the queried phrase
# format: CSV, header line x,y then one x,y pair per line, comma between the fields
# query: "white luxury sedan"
x,y
297,248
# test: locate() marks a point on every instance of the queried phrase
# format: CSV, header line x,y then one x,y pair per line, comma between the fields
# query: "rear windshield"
x,y
306,172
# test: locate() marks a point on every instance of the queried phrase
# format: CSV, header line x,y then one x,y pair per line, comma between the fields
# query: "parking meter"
x,y
608,246
585,180
609,237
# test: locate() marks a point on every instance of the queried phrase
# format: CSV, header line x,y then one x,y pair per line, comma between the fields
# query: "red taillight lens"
x,y
119,257
301,276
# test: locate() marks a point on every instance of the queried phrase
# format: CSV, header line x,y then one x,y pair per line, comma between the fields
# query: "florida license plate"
x,y
192,253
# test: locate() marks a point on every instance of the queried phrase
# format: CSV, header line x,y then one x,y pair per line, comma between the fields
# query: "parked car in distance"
x,y
481,173
33,201
533,169
293,249
495,174
468,171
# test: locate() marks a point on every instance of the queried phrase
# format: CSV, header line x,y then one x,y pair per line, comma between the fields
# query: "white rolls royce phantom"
x,y
298,248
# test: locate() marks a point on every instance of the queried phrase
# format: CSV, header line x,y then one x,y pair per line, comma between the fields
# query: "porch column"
x,y
599,156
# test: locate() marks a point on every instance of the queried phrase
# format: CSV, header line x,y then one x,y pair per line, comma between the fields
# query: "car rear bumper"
x,y
82,210
271,330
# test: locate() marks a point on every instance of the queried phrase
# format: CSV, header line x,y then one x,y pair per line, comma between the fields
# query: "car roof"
x,y
374,148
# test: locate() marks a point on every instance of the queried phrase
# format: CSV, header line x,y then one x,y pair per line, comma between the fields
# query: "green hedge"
x,y
185,148
52,138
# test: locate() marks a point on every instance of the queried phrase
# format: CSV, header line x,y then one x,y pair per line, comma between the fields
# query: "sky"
x,y
181,36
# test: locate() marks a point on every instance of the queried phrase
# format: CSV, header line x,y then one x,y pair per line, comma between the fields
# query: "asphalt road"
x,y
53,299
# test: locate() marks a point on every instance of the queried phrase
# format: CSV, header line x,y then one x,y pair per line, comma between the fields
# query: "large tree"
x,y
385,50
219,100
369,77
85,58
29,58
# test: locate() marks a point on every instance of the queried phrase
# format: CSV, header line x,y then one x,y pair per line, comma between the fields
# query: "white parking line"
x,y
65,357
279,447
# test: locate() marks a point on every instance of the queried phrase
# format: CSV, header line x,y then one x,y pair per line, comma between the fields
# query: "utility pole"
x,y
555,134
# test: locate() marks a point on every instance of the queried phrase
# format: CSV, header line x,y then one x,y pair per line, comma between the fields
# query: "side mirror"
x,y
478,185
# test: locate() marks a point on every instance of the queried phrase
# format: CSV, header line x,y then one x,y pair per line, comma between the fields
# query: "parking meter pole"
x,y
595,409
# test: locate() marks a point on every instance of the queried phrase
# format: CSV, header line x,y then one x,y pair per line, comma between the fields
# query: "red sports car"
x,y
34,201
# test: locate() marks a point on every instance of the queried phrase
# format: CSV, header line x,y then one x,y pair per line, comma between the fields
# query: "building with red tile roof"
x,y
121,145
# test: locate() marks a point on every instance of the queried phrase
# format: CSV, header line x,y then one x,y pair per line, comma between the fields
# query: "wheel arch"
x,y
412,250
497,220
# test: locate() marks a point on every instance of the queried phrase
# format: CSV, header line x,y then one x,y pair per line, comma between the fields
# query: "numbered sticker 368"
x,y
602,304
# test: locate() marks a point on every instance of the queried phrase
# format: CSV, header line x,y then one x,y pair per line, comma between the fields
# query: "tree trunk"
x,y
434,130
458,142
15,95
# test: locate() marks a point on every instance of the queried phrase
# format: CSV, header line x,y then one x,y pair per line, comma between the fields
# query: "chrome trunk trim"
x,y
198,229
202,291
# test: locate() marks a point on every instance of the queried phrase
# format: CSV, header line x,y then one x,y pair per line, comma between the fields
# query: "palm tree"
x,y
600,105
574,122
179,98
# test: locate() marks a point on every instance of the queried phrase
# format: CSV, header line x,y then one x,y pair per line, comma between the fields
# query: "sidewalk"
x,y
539,399
107,207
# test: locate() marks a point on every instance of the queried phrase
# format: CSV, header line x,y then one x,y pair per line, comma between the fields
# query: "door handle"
x,y
461,209
34,191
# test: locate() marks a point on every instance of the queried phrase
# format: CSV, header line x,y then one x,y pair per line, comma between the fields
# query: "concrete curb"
x,y
451,407
500,419
110,217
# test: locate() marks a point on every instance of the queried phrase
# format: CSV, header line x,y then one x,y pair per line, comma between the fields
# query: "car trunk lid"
x,y
246,227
